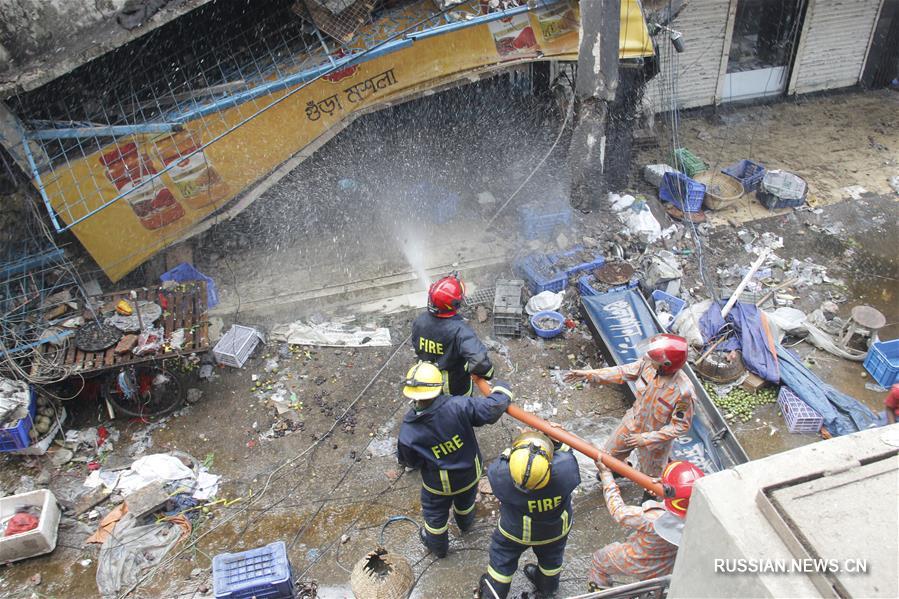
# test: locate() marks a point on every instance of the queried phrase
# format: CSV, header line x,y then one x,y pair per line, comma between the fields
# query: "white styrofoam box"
x,y
39,541
236,345
41,446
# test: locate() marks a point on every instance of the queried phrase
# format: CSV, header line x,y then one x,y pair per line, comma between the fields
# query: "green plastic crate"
x,y
687,162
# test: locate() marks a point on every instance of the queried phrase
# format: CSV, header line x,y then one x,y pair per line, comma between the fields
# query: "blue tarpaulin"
x,y
751,337
842,414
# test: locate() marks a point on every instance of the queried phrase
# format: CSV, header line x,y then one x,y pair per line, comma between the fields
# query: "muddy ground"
x,y
328,488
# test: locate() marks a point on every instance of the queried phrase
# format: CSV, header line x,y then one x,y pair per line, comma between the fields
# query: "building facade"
x,y
739,50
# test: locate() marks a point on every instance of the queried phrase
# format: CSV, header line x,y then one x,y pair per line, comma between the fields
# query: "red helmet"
x,y
668,352
894,392
445,296
678,480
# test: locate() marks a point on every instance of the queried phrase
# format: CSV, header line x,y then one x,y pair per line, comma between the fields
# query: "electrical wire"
x,y
219,523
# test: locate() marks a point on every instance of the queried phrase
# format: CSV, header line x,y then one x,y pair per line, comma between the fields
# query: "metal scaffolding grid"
x,y
37,284
148,89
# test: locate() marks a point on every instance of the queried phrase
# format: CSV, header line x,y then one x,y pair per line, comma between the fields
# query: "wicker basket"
x,y
721,190
381,575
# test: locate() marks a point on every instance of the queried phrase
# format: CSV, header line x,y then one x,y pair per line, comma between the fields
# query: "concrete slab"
x,y
821,513
729,542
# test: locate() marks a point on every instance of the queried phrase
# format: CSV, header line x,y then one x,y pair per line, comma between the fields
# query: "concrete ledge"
x,y
726,522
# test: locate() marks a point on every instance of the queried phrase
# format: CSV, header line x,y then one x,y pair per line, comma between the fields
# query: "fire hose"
x,y
588,449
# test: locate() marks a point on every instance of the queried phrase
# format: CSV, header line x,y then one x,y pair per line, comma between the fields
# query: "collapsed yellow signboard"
x,y
164,208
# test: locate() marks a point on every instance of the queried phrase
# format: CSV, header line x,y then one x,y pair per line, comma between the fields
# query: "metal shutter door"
x,y
703,23
834,44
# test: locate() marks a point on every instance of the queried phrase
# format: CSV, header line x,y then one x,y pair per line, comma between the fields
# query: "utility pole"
x,y
597,81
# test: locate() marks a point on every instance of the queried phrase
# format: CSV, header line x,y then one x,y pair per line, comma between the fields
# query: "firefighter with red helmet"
x,y
650,549
441,337
663,405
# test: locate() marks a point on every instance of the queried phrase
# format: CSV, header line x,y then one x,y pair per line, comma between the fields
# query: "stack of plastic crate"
x,y
507,309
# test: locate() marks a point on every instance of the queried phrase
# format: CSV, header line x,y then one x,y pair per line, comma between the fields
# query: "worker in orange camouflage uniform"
x,y
651,548
663,408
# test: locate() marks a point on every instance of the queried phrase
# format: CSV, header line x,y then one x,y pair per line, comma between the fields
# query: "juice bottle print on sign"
x,y
194,177
152,203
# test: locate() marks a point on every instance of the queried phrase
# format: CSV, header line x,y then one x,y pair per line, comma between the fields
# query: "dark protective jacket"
x,y
536,517
454,348
440,439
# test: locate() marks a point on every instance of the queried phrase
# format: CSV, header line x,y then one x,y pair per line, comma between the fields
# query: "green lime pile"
x,y
740,404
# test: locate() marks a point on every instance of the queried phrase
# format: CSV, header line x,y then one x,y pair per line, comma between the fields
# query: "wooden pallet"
x,y
186,308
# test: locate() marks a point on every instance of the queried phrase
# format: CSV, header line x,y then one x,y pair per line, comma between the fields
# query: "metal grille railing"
x,y
250,58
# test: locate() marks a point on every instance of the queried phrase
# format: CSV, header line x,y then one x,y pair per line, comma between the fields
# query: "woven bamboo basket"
x,y
721,190
381,575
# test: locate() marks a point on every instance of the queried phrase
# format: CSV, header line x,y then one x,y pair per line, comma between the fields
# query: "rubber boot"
x,y
436,544
465,522
488,588
546,586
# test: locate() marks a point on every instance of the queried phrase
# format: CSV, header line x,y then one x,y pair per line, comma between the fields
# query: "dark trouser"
x,y
435,509
504,554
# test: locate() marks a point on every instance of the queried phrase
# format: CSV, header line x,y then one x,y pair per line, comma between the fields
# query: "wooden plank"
x,y
79,359
179,310
109,356
169,319
190,335
69,359
203,315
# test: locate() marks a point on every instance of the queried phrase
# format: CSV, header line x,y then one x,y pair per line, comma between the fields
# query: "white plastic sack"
x,y
620,202
640,222
161,466
687,322
331,334
788,320
545,300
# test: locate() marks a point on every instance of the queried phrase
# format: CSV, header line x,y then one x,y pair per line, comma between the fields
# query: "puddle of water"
x,y
380,448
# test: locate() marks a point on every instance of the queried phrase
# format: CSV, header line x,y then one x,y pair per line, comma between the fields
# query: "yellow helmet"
x,y
423,381
530,460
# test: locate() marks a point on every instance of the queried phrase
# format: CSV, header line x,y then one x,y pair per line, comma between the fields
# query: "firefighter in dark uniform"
x,y
437,436
441,337
533,481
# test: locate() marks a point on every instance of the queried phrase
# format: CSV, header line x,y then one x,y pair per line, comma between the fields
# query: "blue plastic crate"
x,y
585,288
682,191
16,437
264,573
675,303
633,283
882,362
747,172
539,222
443,202
534,268
596,262
185,272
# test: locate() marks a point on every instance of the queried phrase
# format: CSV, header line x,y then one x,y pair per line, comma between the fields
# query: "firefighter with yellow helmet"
x,y
533,481
437,436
